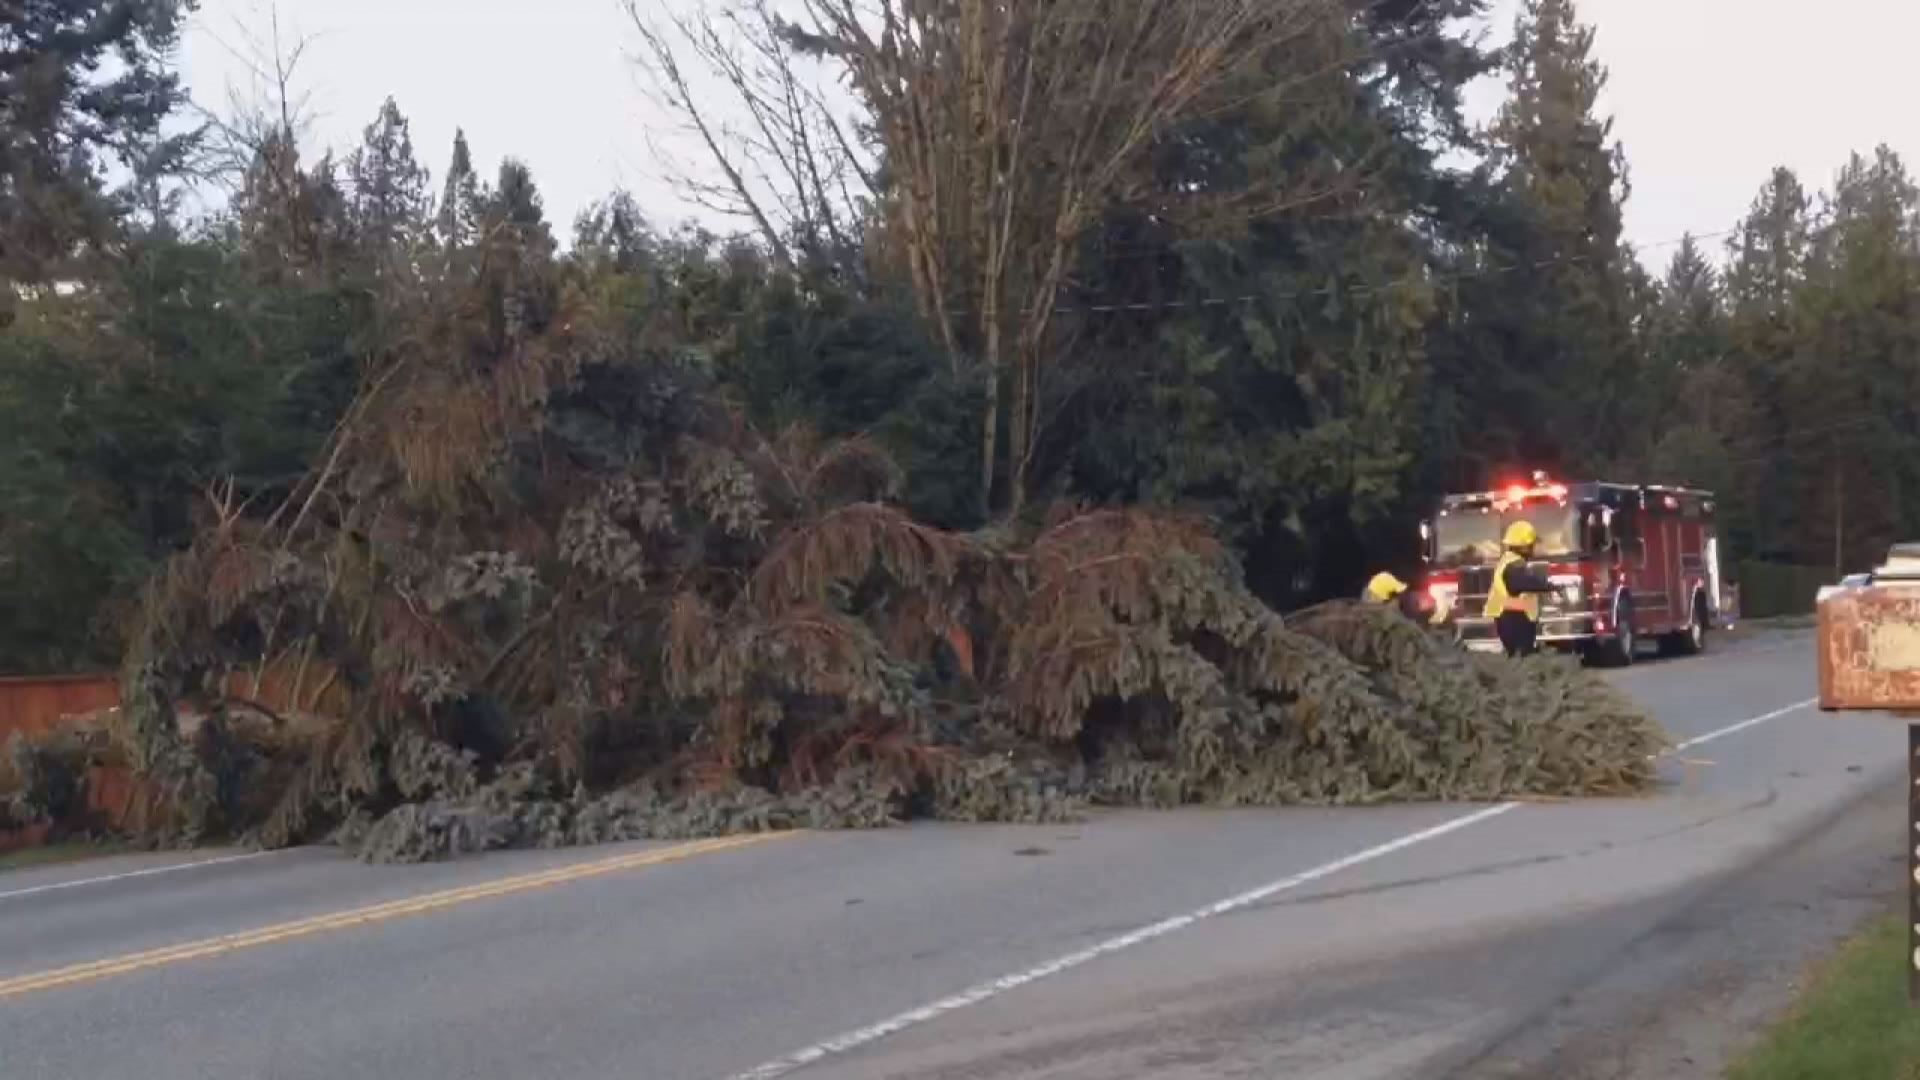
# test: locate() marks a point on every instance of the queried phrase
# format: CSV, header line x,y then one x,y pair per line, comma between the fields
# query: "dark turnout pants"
x,y
1517,633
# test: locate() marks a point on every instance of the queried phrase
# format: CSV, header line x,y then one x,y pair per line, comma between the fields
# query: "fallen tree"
x,y
545,587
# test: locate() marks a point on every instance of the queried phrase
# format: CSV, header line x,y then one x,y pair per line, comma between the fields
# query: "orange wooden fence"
x,y
33,705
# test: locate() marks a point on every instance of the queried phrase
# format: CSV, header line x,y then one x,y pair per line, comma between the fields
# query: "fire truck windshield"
x,y
1471,535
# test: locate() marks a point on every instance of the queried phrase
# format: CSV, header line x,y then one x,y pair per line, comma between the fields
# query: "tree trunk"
x,y
1018,435
990,427
978,211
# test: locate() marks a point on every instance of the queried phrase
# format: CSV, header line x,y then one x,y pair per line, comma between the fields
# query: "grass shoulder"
x,y
1853,1021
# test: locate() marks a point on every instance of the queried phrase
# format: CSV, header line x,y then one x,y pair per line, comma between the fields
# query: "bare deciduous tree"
x,y
785,160
1010,126
1006,129
271,110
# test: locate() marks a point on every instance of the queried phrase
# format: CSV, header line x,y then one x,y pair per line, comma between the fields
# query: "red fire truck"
x,y
1632,562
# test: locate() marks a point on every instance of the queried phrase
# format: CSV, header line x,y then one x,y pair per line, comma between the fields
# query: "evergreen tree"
x,y
514,261
291,220
1851,386
185,365
1566,280
614,233
392,210
515,204
1696,410
78,79
1269,369
462,203
1767,260
1684,331
1692,318
1767,254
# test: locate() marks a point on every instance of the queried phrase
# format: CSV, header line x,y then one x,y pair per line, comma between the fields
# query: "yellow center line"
x,y
342,920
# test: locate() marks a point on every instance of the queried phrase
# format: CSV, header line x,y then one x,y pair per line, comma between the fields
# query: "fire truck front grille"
x,y
1476,581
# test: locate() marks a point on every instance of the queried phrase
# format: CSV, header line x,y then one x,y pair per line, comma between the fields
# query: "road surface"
x,y
1353,944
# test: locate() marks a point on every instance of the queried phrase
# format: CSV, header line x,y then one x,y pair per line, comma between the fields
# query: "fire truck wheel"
x,y
1693,640
1619,652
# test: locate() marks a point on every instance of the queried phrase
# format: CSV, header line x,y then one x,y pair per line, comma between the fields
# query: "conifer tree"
x,y
80,80
1850,387
614,233
1684,331
1571,292
1767,260
1768,251
391,207
461,201
516,205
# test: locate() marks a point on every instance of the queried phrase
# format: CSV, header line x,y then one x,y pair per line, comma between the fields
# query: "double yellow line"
x,y
345,920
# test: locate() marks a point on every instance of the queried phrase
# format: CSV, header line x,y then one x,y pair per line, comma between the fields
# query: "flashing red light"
x,y
1516,493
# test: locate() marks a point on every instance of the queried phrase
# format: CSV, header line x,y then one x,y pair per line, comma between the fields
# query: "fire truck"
x,y
1631,564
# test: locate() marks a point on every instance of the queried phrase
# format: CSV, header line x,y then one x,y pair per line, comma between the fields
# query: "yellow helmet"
x,y
1385,587
1520,534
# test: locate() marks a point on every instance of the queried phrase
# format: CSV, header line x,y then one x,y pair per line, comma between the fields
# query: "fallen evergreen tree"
x,y
545,587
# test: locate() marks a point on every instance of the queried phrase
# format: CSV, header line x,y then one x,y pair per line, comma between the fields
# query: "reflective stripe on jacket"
x,y
1500,599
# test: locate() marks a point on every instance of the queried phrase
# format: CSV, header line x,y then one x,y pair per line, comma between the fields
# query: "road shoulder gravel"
x,y
1696,988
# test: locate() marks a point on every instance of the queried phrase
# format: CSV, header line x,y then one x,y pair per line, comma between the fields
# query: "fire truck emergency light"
x,y
1519,493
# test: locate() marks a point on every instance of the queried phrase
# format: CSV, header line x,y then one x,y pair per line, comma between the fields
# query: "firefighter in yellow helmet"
x,y
1513,603
1383,589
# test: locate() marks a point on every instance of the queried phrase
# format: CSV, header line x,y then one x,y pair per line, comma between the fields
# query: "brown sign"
x,y
1869,648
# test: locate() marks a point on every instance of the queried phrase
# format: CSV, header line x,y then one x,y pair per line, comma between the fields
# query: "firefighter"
x,y
1513,603
1383,589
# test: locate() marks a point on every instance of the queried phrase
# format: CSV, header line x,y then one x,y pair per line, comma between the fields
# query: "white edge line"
x,y
840,1044
148,872
1742,725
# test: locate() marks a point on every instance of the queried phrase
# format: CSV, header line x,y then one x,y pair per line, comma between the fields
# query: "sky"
x,y
1707,95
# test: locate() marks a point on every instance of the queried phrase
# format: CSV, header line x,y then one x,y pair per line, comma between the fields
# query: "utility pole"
x,y
1913,861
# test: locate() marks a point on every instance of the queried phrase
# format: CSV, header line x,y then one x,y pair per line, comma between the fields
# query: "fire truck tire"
x,y
1693,640
1619,651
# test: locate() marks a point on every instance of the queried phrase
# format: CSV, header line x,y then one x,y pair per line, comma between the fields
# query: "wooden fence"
x,y
34,705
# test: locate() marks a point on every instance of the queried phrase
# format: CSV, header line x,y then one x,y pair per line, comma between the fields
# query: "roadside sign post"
x,y
1913,863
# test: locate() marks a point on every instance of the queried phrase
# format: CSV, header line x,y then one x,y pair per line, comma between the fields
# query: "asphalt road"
x,y
1390,942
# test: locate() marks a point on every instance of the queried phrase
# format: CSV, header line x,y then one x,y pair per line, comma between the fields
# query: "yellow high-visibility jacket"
x,y
1500,598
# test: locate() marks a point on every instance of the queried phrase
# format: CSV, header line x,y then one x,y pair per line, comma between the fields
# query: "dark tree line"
x,y
1191,253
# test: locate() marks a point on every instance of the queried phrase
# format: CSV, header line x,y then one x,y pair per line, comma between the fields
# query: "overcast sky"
x,y
1707,95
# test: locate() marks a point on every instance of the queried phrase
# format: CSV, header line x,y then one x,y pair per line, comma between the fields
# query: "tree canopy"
x,y
1248,261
